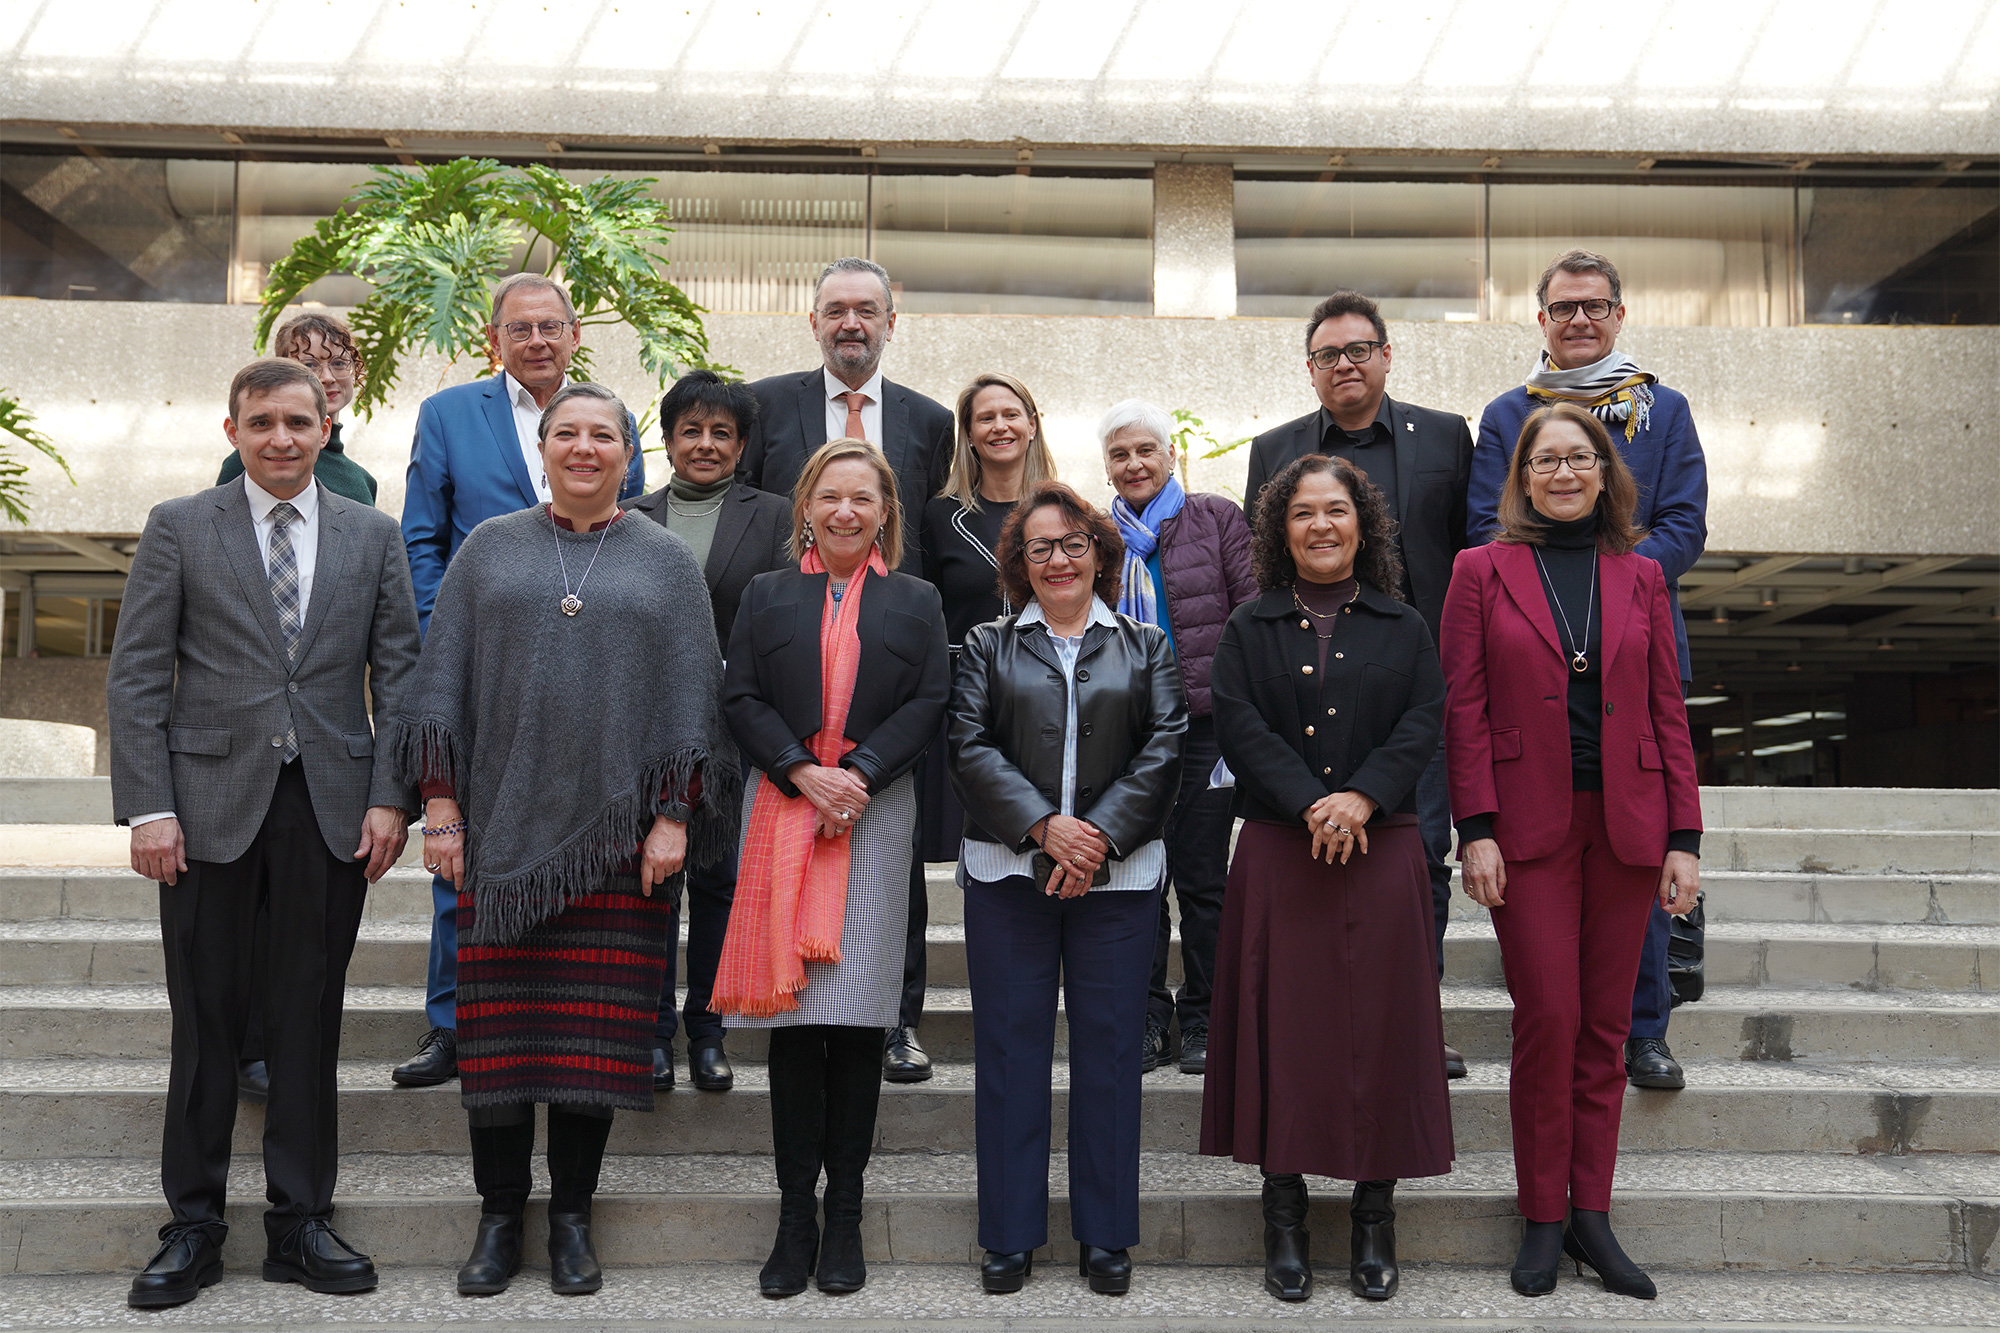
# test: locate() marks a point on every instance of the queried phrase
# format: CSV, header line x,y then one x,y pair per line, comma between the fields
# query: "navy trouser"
x,y
441,983
1198,867
705,901
1019,945
1653,994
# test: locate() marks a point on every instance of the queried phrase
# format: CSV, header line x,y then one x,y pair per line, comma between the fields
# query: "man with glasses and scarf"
x,y
1581,311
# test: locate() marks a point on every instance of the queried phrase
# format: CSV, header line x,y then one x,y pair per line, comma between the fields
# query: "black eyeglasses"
x,y
1075,545
1326,358
1547,463
1562,312
521,330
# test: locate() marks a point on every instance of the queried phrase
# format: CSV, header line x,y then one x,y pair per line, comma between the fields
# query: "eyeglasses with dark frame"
x,y
521,330
1562,312
1357,353
1547,463
1075,545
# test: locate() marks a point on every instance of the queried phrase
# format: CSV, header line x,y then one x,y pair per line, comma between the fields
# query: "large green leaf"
x,y
17,421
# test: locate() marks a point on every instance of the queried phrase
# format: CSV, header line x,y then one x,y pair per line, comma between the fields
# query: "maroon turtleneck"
x,y
1324,599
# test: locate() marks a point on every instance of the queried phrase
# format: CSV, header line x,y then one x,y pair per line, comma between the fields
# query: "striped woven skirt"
x,y
565,1014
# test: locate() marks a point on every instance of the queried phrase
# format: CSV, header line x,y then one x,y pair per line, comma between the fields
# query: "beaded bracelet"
x,y
455,826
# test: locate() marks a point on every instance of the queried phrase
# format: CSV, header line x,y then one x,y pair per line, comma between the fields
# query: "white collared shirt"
x,y
871,411
528,427
990,862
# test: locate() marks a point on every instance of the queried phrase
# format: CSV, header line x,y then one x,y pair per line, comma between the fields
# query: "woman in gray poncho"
x,y
566,732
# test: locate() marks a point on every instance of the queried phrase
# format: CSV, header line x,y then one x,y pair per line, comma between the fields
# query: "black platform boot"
x,y
1373,1273
1287,1244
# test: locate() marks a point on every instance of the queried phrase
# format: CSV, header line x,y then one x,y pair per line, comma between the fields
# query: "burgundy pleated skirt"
x,y
1325,1047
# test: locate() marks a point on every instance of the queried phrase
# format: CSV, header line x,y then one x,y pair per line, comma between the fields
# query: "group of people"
x,y
863,631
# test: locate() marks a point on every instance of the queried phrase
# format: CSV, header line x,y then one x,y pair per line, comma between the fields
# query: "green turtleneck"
x,y
692,511
334,470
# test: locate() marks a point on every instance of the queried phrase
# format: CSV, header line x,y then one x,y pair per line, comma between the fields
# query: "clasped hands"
x,y
1077,846
1339,825
838,796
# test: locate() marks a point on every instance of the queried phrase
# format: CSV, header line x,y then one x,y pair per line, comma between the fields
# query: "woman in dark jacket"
x,y
736,532
836,678
1066,726
1187,566
1328,1050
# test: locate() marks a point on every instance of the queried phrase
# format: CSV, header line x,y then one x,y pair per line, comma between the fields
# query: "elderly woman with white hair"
x,y
1187,566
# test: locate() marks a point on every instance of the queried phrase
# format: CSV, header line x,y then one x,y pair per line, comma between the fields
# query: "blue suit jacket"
x,y
466,467
1666,462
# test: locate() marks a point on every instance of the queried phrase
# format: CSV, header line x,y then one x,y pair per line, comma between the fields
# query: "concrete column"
x,y
1194,241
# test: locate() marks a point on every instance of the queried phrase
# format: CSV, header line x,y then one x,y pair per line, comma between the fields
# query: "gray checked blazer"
x,y
200,693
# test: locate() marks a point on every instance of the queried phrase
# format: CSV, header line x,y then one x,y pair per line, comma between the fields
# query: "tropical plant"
x,y
18,422
434,240
1192,431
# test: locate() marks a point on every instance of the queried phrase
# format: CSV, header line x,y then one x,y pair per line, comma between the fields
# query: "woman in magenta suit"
x,y
1573,777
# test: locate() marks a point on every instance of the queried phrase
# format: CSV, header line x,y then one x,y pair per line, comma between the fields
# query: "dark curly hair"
x,y
1082,516
1380,563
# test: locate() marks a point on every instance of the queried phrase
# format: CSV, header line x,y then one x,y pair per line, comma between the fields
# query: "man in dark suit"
x,y
1421,459
853,318
261,620
476,455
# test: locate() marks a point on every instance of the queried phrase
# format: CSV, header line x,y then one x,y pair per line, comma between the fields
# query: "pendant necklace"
x,y
1577,661
572,602
1299,602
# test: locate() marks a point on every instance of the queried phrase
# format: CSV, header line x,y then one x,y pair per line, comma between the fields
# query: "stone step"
x,y
1836,850
1688,1210
1732,1022
75,1109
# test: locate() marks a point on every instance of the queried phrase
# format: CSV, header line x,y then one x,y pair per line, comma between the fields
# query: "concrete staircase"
x,y
1842,1114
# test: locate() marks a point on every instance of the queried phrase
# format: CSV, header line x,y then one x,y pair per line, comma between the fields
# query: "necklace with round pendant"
x,y
571,604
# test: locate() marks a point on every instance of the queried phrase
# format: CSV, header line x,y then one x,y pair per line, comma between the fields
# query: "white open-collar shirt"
x,y
871,410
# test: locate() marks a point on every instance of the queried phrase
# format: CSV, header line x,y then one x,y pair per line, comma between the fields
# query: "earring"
x,y
1362,547
810,539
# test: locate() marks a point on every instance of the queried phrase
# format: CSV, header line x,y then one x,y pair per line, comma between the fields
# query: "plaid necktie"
x,y
285,592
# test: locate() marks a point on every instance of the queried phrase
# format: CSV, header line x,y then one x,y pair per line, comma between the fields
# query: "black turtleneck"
x,y
1567,561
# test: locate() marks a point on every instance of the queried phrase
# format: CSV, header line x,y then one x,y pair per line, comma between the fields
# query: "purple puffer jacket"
x,y
1205,561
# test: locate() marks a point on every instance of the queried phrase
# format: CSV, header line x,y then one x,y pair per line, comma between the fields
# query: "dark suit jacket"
x,y
752,533
1433,470
791,423
771,685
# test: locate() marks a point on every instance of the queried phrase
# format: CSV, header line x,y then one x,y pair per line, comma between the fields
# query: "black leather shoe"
x,y
708,1067
904,1059
188,1260
1004,1273
1194,1050
253,1082
663,1070
313,1255
496,1256
1372,1272
1157,1051
573,1268
1454,1063
1109,1271
1649,1064
435,1062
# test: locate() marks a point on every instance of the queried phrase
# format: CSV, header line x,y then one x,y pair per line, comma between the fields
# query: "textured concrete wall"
x,y
1194,241
1648,76
1823,439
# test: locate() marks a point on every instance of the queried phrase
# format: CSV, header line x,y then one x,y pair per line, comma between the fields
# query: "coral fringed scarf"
x,y
791,889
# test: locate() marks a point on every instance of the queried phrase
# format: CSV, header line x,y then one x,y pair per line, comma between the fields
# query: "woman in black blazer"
x,y
737,533
1326,1055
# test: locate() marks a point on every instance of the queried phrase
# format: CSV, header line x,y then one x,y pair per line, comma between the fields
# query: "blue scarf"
x,y
1142,538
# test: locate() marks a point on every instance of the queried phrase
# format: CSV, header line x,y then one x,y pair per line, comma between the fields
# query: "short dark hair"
x,y
1617,502
703,393
274,372
1579,261
1344,302
295,338
1380,562
1011,549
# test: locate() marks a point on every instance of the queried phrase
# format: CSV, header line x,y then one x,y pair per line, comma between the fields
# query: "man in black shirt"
x,y
1421,460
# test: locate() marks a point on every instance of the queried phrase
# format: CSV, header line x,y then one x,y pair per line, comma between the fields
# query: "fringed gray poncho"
x,y
560,733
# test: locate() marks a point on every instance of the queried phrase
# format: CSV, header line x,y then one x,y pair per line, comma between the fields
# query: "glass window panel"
x,y
91,227
1413,246
1925,253
1686,254
1017,244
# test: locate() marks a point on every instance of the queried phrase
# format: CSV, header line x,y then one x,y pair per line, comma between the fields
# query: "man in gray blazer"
x,y
259,618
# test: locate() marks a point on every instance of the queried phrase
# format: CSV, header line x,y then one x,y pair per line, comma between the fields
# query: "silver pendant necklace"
x,y
572,602
1578,662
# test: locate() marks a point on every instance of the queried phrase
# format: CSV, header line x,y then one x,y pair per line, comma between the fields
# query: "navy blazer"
x,y
466,467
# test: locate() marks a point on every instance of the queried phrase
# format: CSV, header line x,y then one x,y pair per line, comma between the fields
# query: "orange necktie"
x,y
854,402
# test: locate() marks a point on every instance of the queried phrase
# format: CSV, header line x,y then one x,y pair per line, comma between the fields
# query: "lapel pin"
x,y
1409,425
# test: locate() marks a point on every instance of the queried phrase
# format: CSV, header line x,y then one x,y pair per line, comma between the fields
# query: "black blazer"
x,y
1008,706
752,534
791,423
1293,733
771,683
1433,471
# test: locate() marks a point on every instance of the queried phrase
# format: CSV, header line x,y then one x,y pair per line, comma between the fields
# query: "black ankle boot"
x,y
1589,1241
496,1256
796,1250
1373,1272
573,1267
1534,1272
1287,1243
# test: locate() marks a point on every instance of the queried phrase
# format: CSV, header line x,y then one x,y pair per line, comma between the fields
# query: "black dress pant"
x,y
1197,840
503,1147
916,963
302,904
705,901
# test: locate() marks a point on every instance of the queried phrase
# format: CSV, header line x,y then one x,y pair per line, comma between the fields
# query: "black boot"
x,y
798,1125
573,1267
1288,1271
1534,1272
1589,1241
1373,1273
496,1256
853,1092
576,1154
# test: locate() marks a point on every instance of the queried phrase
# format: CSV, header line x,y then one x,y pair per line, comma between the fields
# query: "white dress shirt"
x,y
871,411
528,428
991,862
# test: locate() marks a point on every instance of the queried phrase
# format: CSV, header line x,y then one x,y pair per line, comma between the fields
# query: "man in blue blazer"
x,y
1581,312
477,455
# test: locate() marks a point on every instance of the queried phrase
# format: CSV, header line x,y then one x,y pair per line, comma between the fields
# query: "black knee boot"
x,y
798,1125
853,1092
1373,1273
501,1173
1287,1244
576,1153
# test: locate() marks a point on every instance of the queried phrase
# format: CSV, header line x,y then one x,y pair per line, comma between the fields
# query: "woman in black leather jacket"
x,y
1066,724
